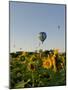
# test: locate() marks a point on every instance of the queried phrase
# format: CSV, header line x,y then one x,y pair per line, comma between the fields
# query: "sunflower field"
x,y
37,69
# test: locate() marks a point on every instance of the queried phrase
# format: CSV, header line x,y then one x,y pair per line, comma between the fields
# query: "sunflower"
x,y
31,67
47,63
53,60
24,53
56,51
33,58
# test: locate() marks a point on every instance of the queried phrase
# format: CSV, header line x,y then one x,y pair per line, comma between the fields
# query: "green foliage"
x,y
26,71
22,58
21,84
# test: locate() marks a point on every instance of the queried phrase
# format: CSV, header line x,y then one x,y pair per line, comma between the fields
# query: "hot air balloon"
x,y
42,36
58,26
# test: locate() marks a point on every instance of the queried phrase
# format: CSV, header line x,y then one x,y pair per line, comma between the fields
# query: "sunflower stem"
x,y
32,79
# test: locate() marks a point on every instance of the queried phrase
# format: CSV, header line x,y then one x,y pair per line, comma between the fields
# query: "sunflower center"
x,y
32,66
47,64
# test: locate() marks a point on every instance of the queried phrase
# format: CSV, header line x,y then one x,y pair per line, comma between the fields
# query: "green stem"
x,y
32,79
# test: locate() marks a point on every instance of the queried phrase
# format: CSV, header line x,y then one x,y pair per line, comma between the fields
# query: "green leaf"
x,y
22,84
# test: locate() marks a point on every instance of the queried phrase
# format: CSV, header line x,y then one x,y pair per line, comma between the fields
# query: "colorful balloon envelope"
x,y
42,36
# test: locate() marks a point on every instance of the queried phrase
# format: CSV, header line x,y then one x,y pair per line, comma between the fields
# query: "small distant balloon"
x,y
58,26
42,36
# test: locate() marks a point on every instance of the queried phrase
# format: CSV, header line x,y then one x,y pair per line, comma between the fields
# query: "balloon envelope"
x,y
42,36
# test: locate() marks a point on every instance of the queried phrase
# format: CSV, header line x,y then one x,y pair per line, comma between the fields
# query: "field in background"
x,y
37,69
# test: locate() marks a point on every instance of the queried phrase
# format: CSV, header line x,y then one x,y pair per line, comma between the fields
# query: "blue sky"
x,y
28,19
